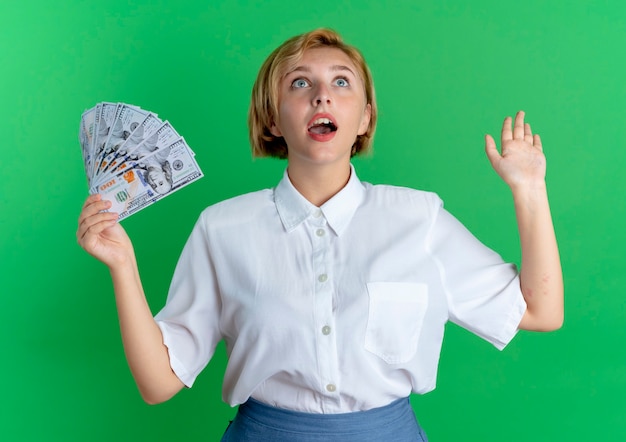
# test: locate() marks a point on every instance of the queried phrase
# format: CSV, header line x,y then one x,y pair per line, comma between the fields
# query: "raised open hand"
x,y
521,161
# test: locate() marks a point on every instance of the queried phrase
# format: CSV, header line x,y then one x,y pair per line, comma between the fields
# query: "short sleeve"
x,y
483,292
189,321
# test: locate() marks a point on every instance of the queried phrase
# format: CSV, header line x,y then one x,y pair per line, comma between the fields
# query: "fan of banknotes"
x,y
132,158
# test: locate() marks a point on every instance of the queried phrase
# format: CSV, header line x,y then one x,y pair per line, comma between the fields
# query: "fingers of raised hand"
x,y
507,133
491,149
528,134
519,128
490,145
537,142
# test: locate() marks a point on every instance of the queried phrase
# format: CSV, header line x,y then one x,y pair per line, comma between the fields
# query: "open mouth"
x,y
322,126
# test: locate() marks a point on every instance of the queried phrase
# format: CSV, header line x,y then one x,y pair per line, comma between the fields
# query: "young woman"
x,y
331,294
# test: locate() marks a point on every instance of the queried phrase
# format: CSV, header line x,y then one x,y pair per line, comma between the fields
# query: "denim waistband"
x,y
397,413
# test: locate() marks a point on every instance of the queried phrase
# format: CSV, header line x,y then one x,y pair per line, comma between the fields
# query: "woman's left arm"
x,y
522,165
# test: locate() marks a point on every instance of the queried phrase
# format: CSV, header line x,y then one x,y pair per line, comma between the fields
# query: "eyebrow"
x,y
333,68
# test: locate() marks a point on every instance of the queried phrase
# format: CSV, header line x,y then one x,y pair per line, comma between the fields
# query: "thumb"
x,y
491,150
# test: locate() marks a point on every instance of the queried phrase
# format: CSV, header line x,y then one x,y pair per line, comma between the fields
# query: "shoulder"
x,y
397,197
239,209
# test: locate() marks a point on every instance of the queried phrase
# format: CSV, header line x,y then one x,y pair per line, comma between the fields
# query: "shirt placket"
x,y
326,343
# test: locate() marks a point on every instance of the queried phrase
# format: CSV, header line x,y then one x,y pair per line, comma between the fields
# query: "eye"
x,y
299,83
342,82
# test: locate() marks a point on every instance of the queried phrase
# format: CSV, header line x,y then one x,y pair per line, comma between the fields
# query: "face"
x,y
321,108
158,181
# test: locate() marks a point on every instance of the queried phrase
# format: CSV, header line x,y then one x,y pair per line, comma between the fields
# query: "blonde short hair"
x,y
264,101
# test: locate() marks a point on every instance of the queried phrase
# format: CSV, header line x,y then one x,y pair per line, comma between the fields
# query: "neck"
x,y
319,184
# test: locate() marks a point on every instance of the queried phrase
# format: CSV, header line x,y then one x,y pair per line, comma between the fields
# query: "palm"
x,y
521,160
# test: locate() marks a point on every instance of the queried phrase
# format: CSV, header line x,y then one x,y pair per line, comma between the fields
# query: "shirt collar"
x,y
293,208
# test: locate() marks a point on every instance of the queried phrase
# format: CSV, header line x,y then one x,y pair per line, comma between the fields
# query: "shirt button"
x,y
320,232
317,213
323,277
326,330
331,387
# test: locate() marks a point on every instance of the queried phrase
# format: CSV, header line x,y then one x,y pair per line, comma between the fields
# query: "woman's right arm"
x,y
103,237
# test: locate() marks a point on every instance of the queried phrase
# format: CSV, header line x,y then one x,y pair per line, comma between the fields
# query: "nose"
x,y
321,95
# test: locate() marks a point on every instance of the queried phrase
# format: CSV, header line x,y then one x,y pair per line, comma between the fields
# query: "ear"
x,y
274,130
365,120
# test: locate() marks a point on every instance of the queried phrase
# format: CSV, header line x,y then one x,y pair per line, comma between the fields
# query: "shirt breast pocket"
x,y
395,319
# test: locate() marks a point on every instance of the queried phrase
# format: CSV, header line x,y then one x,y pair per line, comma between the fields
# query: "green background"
x,y
446,73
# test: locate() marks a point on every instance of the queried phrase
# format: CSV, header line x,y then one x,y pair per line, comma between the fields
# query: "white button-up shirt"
x,y
332,309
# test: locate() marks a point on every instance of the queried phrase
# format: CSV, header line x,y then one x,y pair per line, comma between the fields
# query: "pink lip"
x,y
323,115
322,137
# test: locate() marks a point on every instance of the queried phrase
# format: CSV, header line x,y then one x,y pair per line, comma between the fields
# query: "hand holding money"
x,y
101,235
132,158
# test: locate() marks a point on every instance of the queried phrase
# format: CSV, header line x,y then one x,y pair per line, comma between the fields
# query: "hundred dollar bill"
x,y
91,128
85,135
127,122
162,137
106,127
141,133
145,132
103,121
152,178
